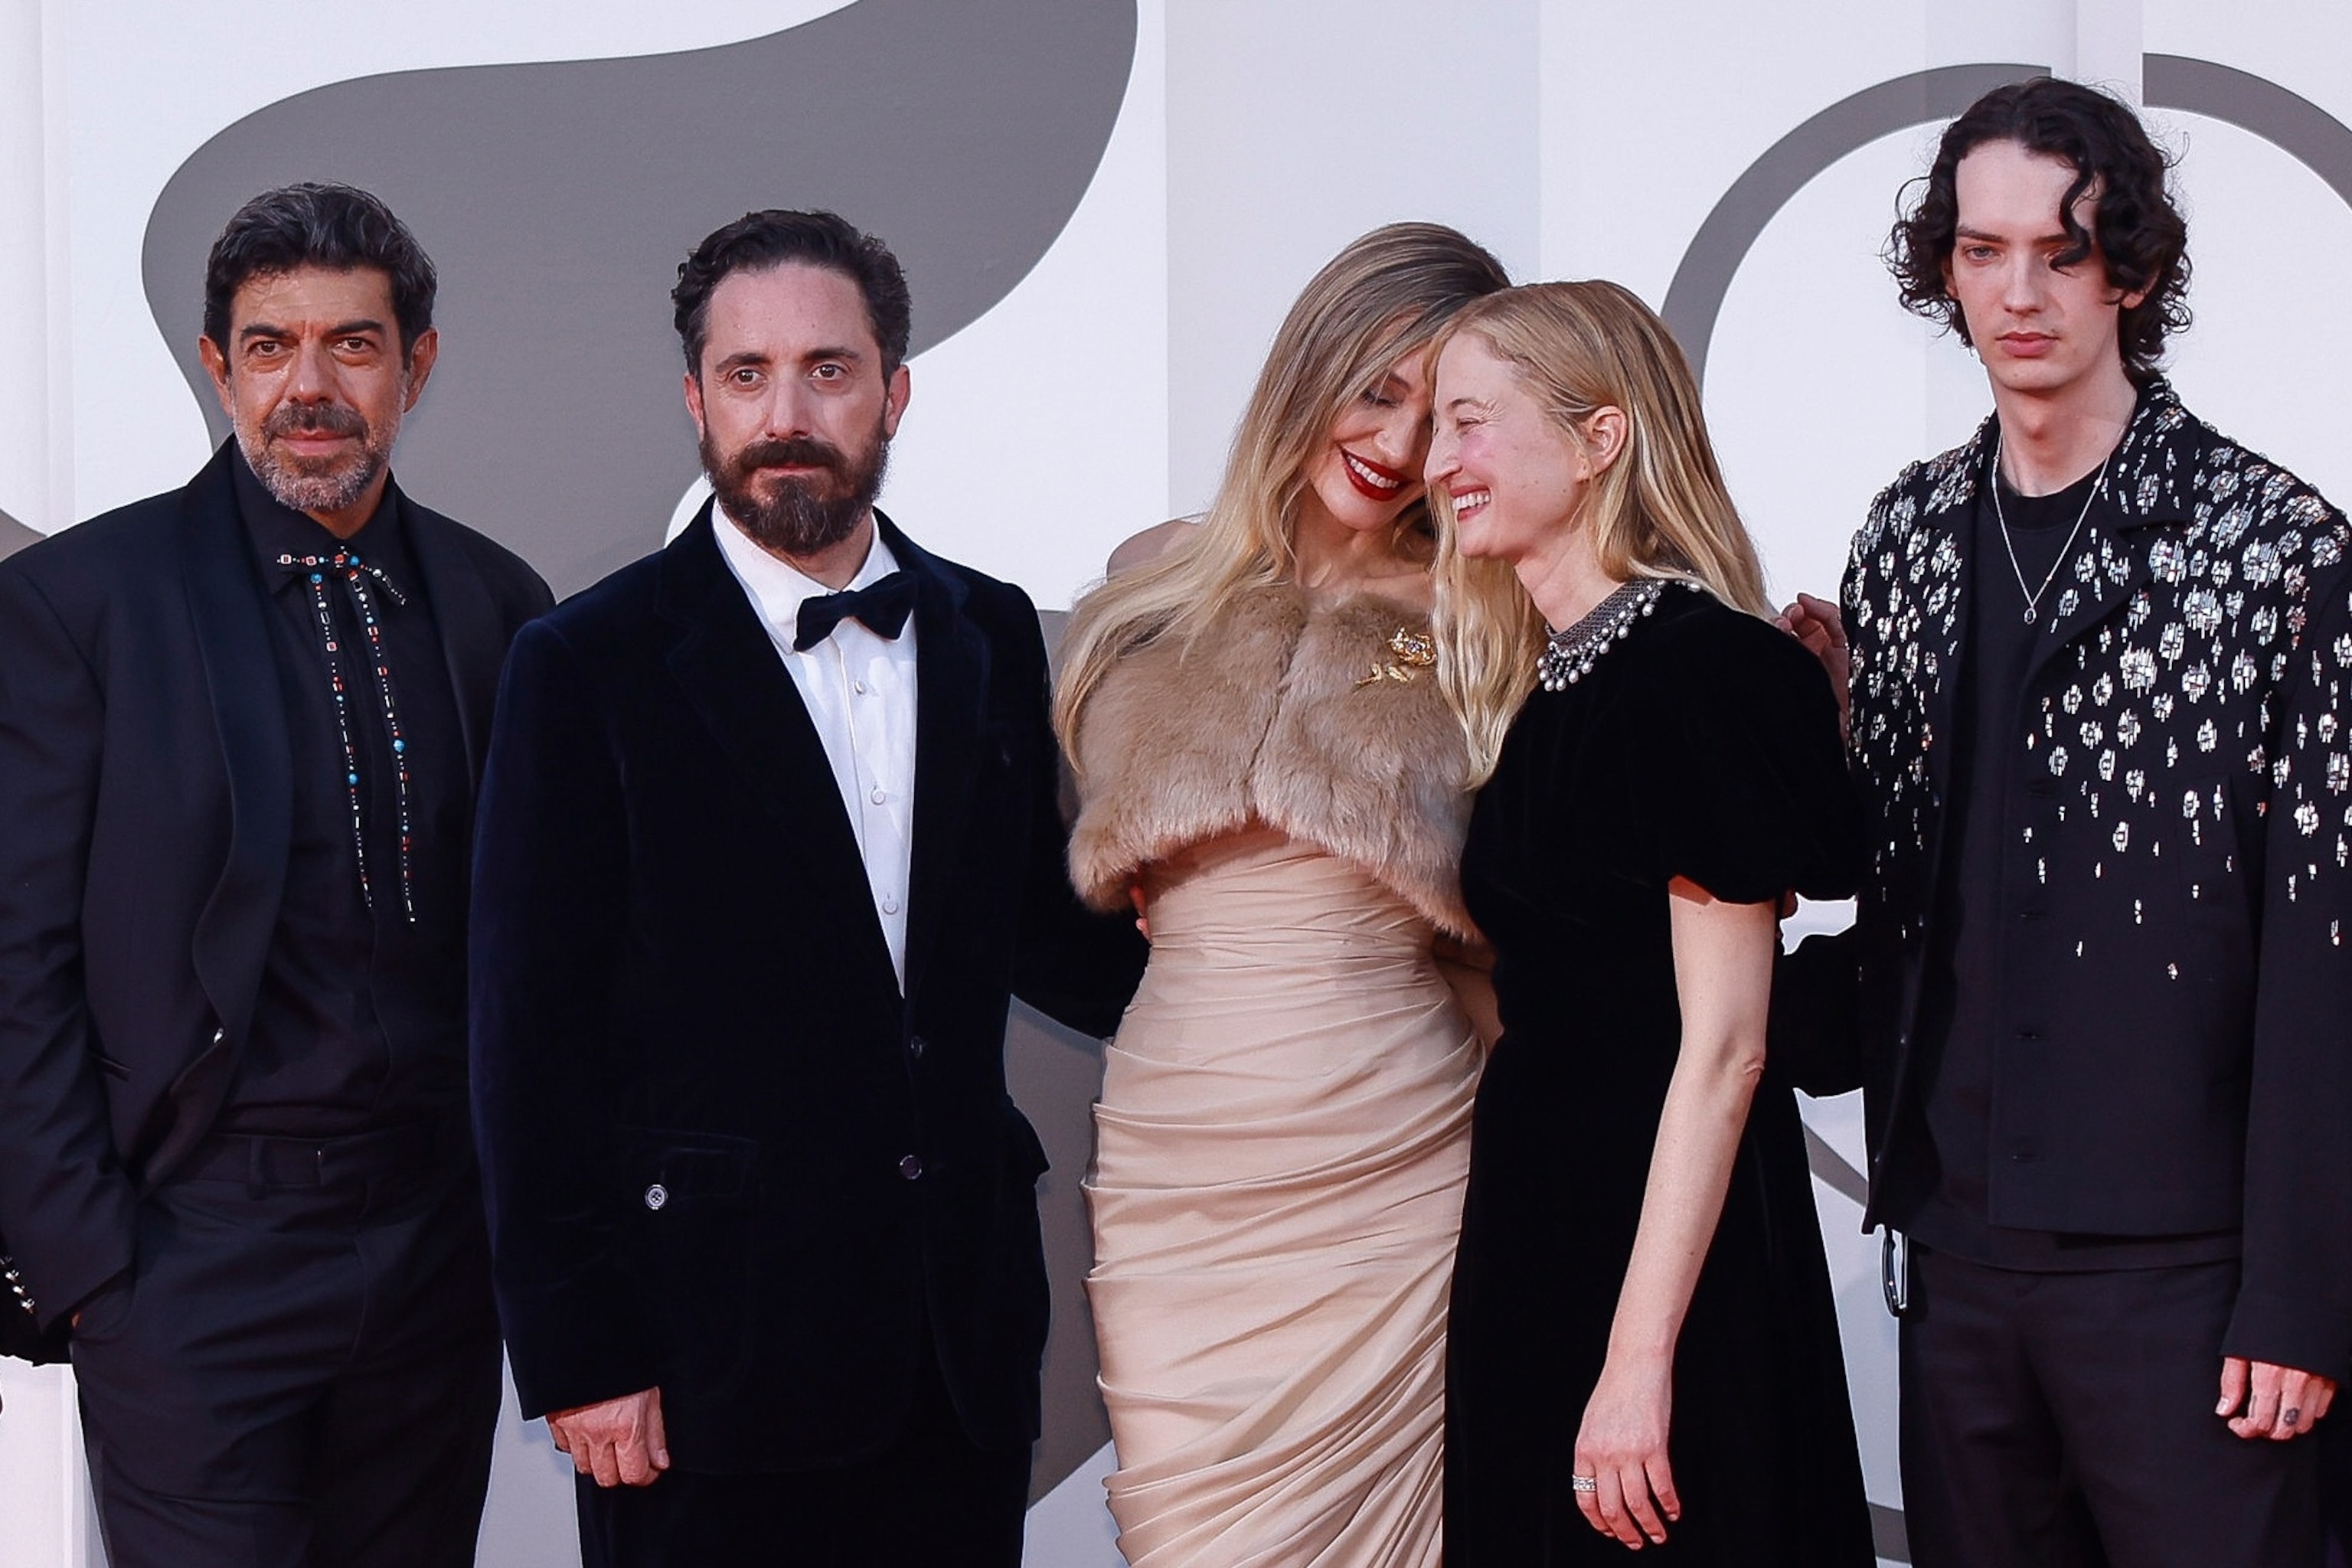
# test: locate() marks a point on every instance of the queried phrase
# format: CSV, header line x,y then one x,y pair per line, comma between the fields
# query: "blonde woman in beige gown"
x,y
1275,726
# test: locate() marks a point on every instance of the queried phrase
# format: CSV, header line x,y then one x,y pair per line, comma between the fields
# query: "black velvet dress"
x,y
1703,745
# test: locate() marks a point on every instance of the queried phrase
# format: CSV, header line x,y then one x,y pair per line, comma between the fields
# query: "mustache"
x,y
791,451
314,419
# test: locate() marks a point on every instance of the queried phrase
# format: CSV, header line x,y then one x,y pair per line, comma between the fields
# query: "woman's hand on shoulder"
x,y
1621,1447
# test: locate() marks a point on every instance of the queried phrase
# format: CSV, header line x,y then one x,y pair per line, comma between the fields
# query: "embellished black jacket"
x,y
2175,990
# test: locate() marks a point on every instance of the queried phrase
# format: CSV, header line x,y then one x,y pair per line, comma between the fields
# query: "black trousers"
x,y
2066,1421
300,1373
929,1499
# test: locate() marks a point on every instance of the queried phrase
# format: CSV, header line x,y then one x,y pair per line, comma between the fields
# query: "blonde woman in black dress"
x,y
1643,1352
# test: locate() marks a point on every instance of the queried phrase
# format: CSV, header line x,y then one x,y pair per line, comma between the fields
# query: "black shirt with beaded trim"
x,y
359,1022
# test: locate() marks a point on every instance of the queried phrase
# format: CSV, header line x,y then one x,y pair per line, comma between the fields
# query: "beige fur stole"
x,y
1269,714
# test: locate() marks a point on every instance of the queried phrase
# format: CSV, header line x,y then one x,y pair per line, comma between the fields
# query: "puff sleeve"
x,y
1751,795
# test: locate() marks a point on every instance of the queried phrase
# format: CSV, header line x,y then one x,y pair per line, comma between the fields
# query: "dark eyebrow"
x,y
253,329
1964,232
814,356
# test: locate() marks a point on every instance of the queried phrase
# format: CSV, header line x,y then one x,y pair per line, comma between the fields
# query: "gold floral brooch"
x,y
1414,652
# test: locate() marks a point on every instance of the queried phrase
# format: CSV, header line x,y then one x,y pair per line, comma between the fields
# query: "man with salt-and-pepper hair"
x,y
2099,985
240,725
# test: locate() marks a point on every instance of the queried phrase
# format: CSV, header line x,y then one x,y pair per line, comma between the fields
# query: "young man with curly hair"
x,y
2097,984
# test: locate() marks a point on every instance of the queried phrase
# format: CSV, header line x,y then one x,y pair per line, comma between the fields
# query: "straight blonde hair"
x,y
1659,511
1379,300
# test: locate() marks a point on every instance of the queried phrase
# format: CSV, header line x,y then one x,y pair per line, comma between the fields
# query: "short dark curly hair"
x,y
2142,239
339,228
759,241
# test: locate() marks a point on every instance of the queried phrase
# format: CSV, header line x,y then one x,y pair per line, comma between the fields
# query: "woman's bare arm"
x,y
1723,976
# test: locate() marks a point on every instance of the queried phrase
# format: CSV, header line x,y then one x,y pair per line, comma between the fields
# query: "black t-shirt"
x,y
1946,1204
361,1018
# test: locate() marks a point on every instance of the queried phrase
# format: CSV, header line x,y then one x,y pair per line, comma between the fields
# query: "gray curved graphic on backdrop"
x,y
2287,121
13,536
558,199
1834,1171
1695,296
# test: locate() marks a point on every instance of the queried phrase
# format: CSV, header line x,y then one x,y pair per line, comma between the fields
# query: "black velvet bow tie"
x,y
881,606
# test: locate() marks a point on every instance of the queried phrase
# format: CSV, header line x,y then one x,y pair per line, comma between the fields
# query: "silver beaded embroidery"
x,y
2180,640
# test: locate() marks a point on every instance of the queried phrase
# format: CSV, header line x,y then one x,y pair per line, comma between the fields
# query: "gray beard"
x,y
332,491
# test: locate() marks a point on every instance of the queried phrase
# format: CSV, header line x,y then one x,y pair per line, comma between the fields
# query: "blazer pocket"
x,y
690,1194
698,1170
111,1067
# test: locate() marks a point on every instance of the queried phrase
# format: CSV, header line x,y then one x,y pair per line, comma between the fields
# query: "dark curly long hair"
x,y
2142,239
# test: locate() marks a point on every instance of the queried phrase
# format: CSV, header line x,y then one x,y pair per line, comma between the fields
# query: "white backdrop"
x,y
1576,139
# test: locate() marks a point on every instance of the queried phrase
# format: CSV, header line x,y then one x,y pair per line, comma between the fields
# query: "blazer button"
x,y
917,1046
656,1195
911,1167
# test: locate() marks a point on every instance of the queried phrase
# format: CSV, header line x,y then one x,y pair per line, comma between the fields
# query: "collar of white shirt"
x,y
776,587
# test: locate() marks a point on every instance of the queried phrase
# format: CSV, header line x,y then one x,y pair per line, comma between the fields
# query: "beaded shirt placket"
x,y
356,575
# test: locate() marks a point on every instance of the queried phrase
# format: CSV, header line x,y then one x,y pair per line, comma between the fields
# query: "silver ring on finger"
x,y
1584,1483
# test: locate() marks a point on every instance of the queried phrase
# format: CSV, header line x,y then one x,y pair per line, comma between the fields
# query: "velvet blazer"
x,y
725,1155
145,790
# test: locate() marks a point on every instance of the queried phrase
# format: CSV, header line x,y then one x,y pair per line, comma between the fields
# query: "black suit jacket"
x,y
144,820
2175,980
724,1154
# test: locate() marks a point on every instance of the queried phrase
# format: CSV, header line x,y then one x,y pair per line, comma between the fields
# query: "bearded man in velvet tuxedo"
x,y
239,733
769,835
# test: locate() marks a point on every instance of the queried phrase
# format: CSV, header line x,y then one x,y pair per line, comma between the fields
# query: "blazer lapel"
x,y
473,638
951,660
229,610
732,675
2115,559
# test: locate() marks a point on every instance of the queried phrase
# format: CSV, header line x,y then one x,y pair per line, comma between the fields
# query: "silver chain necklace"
x,y
1569,653
2033,595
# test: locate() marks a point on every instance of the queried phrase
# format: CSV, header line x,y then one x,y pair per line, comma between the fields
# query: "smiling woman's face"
x,y
1368,467
1515,479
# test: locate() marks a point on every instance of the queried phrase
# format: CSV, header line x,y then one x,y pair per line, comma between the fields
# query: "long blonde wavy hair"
x,y
1660,510
1383,298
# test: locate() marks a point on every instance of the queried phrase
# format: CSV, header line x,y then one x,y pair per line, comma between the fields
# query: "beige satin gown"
x,y
1282,1139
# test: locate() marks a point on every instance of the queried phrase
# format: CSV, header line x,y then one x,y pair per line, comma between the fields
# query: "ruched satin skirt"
x,y
1282,1143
